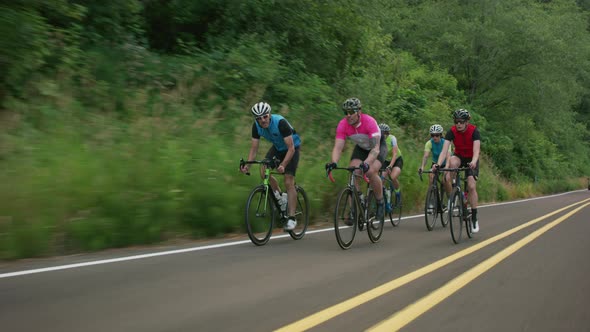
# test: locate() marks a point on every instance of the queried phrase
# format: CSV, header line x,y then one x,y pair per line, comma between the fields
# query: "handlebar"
x,y
350,169
270,163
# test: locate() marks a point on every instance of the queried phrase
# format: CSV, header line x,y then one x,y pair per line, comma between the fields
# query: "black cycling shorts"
x,y
292,165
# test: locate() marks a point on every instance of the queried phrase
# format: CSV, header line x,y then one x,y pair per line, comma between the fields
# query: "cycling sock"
x,y
474,214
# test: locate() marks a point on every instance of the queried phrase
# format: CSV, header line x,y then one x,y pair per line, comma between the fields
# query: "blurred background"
x,y
122,122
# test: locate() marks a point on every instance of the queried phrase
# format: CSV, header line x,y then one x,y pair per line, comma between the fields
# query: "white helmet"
x,y
436,129
384,127
260,109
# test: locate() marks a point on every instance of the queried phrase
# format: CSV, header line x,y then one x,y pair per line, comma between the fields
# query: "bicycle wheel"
x,y
443,207
345,218
301,214
374,224
259,216
456,215
431,208
395,216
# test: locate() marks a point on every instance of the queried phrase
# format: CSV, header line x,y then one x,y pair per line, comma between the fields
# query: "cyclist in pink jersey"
x,y
370,150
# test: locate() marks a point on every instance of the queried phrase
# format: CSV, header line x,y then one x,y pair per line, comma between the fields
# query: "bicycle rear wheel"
x,y
345,218
431,208
301,214
259,216
374,224
456,215
395,216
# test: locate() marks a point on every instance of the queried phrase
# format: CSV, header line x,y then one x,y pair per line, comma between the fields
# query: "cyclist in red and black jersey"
x,y
467,142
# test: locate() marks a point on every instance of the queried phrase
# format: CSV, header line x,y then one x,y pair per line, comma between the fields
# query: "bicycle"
x,y
459,213
353,211
436,202
395,203
263,209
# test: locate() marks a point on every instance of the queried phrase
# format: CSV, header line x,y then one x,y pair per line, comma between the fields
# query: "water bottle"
x,y
388,199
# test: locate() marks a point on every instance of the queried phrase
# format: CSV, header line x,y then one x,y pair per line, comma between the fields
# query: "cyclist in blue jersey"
x,y
285,146
435,145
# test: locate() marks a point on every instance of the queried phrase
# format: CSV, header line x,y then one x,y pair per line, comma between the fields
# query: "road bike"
x,y
263,209
459,213
436,202
394,209
355,211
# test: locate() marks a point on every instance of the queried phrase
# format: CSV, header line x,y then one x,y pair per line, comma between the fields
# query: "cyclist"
x,y
467,141
285,146
435,145
370,149
395,165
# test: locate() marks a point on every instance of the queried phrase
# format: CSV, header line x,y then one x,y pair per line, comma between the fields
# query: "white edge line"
x,y
215,246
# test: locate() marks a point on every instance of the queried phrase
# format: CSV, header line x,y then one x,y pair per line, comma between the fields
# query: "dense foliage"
x,y
122,121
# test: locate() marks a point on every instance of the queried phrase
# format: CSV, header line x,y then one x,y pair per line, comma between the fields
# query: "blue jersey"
x,y
278,128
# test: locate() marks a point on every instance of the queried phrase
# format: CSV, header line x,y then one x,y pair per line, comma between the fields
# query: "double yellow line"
x,y
411,312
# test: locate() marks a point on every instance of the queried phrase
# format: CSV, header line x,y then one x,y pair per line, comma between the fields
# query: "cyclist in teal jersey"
x,y
285,146
434,145
396,163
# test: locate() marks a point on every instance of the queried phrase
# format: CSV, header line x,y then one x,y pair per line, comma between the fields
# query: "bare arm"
x,y
393,156
290,152
424,159
337,150
476,148
374,153
444,152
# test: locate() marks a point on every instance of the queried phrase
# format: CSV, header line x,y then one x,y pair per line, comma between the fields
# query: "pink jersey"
x,y
362,134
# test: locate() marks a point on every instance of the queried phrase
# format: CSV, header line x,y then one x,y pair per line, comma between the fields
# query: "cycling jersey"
x,y
463,141
360,134
435,148
278,129
391,143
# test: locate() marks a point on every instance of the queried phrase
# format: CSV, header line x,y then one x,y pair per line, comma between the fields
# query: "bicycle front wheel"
x,y
443,206
259,216
301,215
456,215
374,223
395,216
431,208
345,218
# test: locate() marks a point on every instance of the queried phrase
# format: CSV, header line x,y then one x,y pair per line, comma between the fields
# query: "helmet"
x,y
461,114
436,129
260,109
384,127
352,104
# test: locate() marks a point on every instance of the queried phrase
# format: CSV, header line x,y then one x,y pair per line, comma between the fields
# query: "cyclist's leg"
x,y
454,162
473,197
274,184
290,171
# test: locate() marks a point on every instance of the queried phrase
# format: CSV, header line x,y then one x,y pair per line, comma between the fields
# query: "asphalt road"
x,y
526,270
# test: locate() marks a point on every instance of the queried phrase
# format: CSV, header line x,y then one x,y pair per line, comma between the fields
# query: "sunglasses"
x,y
460,121
434,135
265,116
350,112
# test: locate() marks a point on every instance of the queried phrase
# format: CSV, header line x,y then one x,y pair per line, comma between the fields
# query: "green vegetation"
x,y
122,121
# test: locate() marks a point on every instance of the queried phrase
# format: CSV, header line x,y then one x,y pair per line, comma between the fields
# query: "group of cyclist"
x,y
372,143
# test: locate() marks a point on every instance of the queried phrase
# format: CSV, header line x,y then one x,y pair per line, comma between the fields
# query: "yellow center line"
x,y
411,312
340,308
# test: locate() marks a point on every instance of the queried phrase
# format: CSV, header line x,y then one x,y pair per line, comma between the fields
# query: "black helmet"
x,y
461,114
352,104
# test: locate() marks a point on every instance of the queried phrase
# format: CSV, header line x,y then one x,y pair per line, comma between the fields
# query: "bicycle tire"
x,y
431,208
345,218
374,224
395,216
456,215
260,215
443,206
301,214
